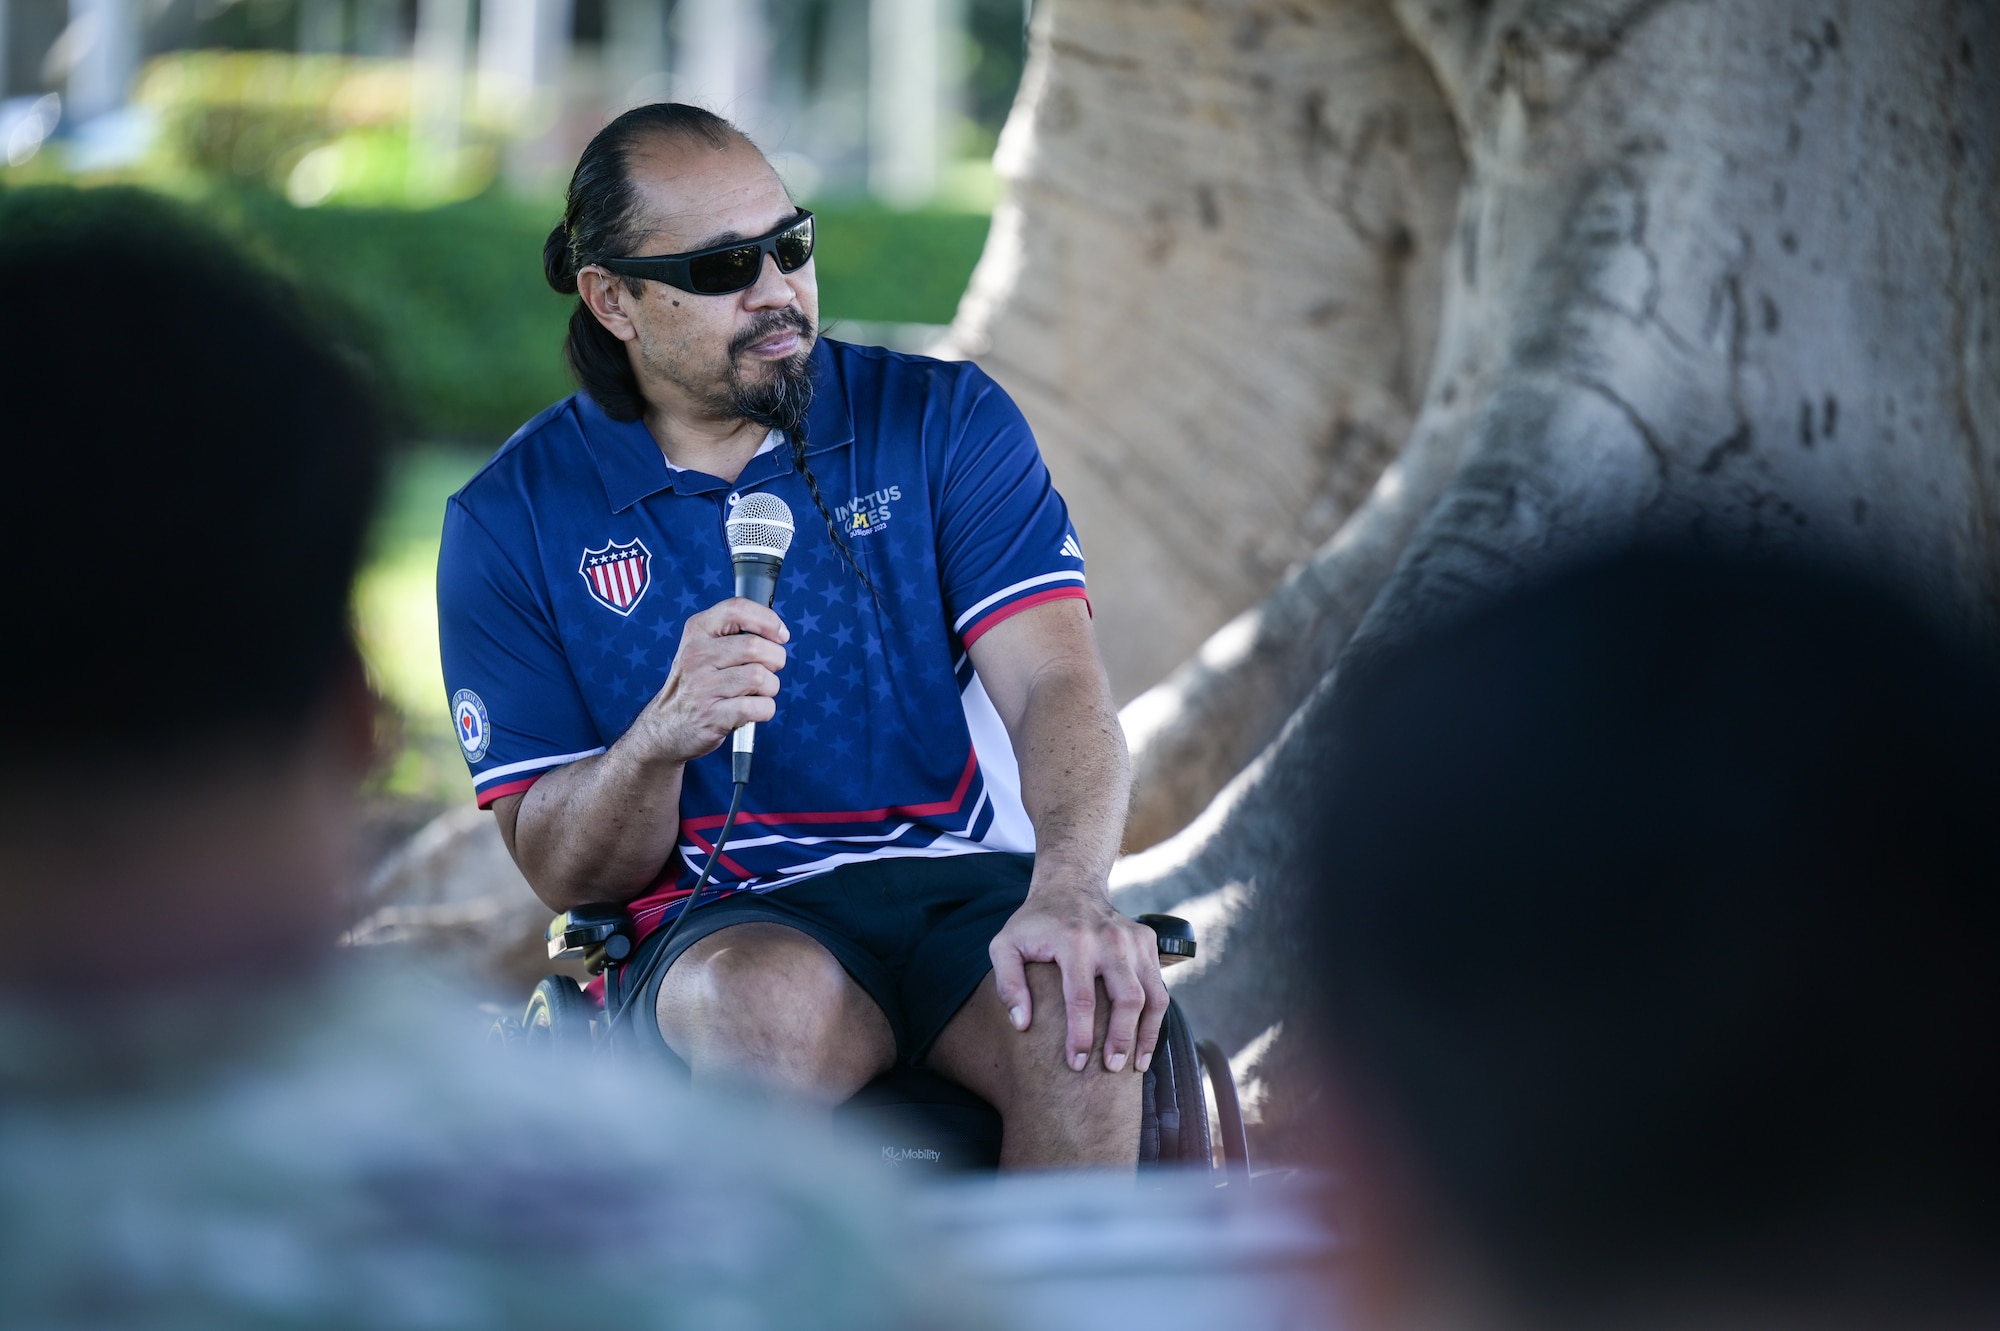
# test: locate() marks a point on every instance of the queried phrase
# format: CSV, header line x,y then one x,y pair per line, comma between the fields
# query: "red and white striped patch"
x,y
617,575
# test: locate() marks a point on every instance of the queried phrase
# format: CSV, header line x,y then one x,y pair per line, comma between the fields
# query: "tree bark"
x,y
1723,272
1213,288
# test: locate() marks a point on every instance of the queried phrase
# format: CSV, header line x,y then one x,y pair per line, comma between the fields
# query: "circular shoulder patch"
x,y
468,718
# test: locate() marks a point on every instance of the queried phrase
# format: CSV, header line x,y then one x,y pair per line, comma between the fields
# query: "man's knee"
x,y
764,1003
1037,1058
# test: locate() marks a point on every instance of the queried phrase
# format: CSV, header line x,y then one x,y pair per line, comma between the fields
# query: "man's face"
x,y
721,355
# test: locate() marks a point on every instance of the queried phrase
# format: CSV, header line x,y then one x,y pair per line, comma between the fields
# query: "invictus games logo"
x,y
468,718
864,515
617,575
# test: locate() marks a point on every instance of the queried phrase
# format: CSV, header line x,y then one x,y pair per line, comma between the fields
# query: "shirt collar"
x,y
632,467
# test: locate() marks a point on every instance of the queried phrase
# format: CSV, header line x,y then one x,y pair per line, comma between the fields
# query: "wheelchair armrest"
x,y
599,933
1174,935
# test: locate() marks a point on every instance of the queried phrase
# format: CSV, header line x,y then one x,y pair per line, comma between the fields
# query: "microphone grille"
x,y
760,524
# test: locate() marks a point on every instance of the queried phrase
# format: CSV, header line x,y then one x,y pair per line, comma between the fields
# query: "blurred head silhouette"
x,y
192,470
1660,910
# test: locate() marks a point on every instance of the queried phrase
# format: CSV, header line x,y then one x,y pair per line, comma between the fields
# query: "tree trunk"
x,y
1213,288
1722,269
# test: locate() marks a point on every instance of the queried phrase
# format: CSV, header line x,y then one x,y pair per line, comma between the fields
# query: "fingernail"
x,y
1145,1061
1116,1062
1018,1017
1076,1063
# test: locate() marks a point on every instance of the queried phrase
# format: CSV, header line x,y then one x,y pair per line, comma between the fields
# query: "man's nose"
x,y
771,290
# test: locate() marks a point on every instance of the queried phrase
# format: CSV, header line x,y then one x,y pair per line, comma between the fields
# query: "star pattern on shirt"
x,y
665,628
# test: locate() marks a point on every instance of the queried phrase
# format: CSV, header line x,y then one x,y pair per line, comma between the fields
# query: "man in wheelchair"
x,y
917,874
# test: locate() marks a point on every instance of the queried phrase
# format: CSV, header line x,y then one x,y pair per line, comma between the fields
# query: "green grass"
x,y
395,616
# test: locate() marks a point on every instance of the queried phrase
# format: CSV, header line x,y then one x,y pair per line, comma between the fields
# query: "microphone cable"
x,y
653,962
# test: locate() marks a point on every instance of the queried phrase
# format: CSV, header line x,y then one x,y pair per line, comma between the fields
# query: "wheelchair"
x,y
916,1117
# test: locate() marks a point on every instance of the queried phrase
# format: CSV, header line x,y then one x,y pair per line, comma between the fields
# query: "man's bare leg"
x,y
762,1005
1052,1116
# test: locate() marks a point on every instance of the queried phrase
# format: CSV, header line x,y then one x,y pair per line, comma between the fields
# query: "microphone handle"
x,y
756,577
756,580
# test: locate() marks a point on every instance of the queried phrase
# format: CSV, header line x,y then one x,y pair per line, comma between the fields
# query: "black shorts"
x,y
912,932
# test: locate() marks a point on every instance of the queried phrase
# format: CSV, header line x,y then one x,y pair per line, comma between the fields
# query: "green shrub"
x,y
469,334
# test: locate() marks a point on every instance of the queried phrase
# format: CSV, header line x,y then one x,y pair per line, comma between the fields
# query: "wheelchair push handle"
x,y
1174,935
600,934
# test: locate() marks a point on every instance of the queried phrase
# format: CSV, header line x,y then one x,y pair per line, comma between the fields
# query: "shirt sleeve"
x,y
1005,541
514,703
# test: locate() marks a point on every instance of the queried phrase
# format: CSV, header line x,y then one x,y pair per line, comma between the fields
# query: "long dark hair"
x,y
601,219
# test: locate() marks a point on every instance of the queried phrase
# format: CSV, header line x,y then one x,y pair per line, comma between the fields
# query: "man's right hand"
x,y
600,828
725,673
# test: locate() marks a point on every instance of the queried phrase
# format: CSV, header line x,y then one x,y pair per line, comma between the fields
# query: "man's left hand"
x,y
1075,927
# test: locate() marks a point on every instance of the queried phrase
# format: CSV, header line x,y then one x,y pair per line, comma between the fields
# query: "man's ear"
x,y
607,298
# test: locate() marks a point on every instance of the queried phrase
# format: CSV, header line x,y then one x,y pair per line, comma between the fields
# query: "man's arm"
x,y
1041,669
600,829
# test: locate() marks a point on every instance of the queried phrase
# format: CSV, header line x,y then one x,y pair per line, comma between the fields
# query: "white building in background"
x,y
96,55
846,94
912,61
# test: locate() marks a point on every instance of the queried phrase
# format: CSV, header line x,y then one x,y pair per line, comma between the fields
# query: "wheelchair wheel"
x,y
1228,1111
1173,1128
558,1017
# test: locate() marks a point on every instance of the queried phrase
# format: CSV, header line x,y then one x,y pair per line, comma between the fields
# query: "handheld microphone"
x,y
760,532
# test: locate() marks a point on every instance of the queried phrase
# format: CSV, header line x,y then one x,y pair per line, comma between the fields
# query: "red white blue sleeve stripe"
x,y
1021,595
514,778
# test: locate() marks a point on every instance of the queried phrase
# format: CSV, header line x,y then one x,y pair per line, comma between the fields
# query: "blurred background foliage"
x,y
430,266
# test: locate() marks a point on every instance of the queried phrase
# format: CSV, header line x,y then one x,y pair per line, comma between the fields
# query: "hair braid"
x,y
798,441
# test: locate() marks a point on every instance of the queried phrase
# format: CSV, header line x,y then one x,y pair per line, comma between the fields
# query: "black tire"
x,y
558,1017
1178,1106
1229,1110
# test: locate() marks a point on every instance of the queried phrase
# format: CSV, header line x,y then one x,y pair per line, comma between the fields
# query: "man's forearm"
x,y
599,829
1075,777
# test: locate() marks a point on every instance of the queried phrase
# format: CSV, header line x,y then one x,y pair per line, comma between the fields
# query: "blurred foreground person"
x,y
204,1122
1661,928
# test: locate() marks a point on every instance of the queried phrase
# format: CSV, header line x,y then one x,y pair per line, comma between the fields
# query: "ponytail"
x,y
602,219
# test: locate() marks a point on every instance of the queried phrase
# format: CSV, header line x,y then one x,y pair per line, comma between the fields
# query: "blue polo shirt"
x,y
574,557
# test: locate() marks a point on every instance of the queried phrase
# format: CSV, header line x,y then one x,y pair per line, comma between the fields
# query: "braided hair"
x,y
603,216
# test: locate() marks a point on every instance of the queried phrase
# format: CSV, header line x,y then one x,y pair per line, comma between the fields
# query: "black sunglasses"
x,y
721,269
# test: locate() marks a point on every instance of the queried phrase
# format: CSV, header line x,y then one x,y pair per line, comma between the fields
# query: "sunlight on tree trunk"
x,y
1213,288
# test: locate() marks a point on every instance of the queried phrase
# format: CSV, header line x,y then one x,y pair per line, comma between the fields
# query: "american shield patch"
x,y
617,575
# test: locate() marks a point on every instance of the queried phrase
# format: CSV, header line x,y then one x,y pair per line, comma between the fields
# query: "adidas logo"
x,y
1071,550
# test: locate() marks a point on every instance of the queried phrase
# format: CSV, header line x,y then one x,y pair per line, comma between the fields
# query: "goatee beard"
x,y
782,401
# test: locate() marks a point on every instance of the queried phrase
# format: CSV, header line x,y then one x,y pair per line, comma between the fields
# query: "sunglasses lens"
x,y
794,247
731,270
